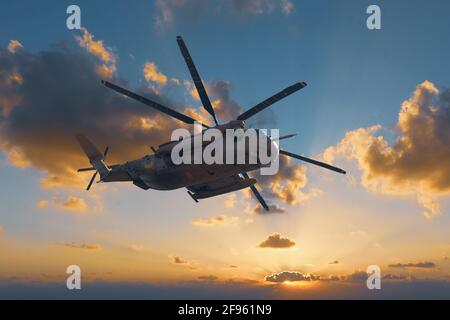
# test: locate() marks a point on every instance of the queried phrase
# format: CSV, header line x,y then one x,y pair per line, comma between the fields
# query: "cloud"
x,y
416,163
208,278
17,158
273,208
287,6
288,185
37,132
230,202
357,276
276,241
233,266
425,265
214,221
151,73
1,229
334,262
219,92
40,115
42,203
14,45
390,276
97,49
259,7
290,276
85,246
182,262
169,11
135,247
72,203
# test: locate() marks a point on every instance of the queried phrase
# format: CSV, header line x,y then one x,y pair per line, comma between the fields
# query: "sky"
x,y
377,104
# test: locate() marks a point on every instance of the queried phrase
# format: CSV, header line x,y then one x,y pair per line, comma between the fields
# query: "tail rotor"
x,y
95,158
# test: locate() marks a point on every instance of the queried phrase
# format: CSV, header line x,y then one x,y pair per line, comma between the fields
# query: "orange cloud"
x,y
287,185
182,262
72,203
208,278
217,220
152,73
14,45
42,203
425,265
44,139
97,49
136,247
417,162
17,158
85,246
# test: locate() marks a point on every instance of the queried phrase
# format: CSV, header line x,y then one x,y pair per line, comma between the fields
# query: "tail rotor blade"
x,y
312,161
92,180
86,169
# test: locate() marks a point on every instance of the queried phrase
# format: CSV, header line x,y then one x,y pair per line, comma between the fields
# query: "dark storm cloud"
x,y
227,109
48,97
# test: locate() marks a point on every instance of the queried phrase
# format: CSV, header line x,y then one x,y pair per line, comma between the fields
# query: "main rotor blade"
x,y
196,78
268,102
256,193
150,103
284,137
315,162
92,180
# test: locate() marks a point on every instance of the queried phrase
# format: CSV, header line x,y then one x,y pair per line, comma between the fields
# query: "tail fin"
x,y
89,148
94,155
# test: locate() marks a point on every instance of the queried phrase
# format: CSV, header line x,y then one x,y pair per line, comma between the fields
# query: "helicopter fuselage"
x,y
158,171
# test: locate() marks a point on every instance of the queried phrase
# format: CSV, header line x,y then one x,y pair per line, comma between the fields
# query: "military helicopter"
x,y
157,171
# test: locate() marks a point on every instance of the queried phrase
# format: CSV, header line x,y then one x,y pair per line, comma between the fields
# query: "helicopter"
x,y
158,170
